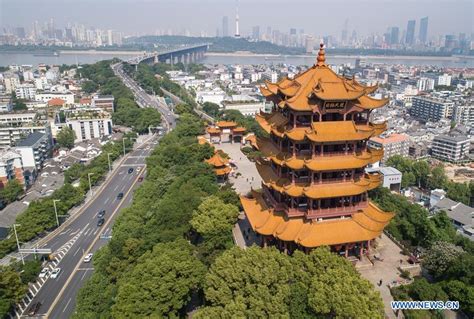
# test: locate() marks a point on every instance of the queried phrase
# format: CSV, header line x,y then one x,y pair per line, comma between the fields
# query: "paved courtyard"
x,y
248,177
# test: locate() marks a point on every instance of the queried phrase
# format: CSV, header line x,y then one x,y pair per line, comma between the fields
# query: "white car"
x,y
88,258
44,273
55,273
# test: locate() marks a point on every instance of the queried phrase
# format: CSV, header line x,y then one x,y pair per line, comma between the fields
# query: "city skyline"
x,y
444,18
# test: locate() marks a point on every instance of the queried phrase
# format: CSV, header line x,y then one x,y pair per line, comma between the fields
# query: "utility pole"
x,y
90,185
108,159
18,243
56,210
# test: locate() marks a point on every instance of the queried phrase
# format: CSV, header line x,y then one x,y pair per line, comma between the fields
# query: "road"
x,y
144,99
82,235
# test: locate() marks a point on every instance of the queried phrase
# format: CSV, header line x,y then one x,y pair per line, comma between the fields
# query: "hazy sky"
x,y
314,16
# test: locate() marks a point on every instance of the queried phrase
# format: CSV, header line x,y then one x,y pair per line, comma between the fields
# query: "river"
x,y
213,58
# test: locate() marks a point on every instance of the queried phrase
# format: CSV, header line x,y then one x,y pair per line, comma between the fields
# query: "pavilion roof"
x,y
226,124
332,131
365,224
213,130
316,191
217,160
319,82
323,163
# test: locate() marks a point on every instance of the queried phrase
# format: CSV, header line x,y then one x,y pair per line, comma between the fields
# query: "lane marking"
x,y
77,251
67,304
94,241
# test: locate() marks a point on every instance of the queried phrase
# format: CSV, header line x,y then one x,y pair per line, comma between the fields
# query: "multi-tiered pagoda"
x,y
314,189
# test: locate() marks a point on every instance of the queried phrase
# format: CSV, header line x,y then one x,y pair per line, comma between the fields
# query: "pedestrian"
x,y
380,282
401,261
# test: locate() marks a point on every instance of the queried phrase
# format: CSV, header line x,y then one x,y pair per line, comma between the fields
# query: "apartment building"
x,y
11,167
6,104
454,149
34,150
464,114
25,91
432,109
89,124
46,97
395,144
105,102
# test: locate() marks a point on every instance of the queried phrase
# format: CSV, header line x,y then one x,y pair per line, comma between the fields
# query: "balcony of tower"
x,y
335,207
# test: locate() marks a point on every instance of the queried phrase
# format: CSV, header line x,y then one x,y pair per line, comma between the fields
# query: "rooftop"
x,y
452,138
394,138
456,211
30,140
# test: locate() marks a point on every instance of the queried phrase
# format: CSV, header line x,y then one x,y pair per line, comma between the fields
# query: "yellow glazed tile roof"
x,y
316,191
364,225
321,82
325,163
332,131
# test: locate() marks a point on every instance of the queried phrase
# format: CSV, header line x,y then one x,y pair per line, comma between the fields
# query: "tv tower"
x,y
237,32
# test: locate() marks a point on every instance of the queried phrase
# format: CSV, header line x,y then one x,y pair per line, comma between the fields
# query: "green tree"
x,y
161,284
408,179
11,191
66,137
211,108
214,216
11,289
438,178
440,256
89,87
251,283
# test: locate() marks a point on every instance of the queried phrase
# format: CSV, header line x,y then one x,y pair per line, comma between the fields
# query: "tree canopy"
x,y
66,137
265,283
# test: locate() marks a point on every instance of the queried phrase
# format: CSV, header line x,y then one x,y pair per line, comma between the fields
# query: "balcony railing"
x,y
314,213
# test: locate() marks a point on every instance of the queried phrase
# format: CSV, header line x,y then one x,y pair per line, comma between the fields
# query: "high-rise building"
x,y
444,79
256,32
425,84
423,35
344,32
225,26
394,35
314,187
237,30
410,36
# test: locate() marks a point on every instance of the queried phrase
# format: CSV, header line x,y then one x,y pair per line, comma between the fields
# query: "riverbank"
x,y
339,56
101,52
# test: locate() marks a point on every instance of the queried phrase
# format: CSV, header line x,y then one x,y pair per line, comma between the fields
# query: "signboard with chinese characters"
x,y
334,105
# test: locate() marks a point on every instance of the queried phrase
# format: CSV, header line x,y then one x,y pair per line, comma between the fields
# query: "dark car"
x,y
140,179
100,222
120,196
130,170
101,214
34,309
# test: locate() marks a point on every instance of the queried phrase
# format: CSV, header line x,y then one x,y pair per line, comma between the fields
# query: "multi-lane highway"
x,y
82,235
144,99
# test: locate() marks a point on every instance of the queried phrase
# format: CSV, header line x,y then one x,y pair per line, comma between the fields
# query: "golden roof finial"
x,y
321,59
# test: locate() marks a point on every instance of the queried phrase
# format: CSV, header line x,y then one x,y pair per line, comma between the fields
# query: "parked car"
x,y
88,258
34,309
55,273
130,170
140,179
120,196
100,222
44,273
101,214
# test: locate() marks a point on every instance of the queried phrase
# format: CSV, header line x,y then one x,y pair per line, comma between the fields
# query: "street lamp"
x,y
108,159
90,185
123,142
18,242
56,210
